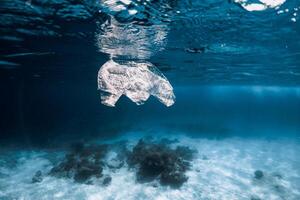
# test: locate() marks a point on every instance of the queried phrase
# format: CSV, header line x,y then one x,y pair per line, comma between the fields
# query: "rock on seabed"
x,y
159,161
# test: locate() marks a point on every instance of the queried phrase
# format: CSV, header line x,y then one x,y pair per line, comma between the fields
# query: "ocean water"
x,y
221,78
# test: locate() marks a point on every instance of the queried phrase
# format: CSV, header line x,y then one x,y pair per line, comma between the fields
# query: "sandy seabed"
x,y
222,169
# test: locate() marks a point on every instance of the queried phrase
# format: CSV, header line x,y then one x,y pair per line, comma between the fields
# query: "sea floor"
x,y
222,169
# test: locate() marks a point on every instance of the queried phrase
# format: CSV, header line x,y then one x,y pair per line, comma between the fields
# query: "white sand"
x,y
222,170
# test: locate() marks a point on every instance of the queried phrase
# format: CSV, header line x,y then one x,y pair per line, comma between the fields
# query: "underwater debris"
x,y
159,161
136,80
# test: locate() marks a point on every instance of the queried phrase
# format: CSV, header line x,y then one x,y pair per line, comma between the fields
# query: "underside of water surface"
x,y
150,99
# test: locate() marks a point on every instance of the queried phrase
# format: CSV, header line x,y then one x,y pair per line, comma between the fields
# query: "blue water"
x,y
223,78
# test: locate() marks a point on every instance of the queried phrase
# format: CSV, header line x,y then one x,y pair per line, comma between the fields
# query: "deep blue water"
x,y
233,72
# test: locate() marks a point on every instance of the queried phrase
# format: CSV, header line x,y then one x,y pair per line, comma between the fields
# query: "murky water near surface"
x,y
212,87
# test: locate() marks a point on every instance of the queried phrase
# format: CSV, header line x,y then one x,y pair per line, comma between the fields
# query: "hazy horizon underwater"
x,y
149,100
